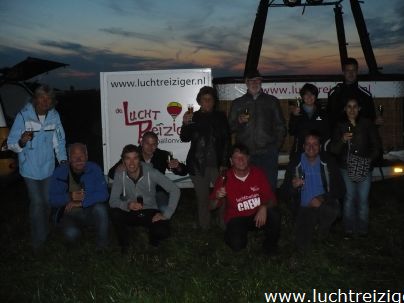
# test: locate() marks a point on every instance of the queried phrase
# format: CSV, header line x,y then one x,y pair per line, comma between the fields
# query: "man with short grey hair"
x,y
256,119
79,192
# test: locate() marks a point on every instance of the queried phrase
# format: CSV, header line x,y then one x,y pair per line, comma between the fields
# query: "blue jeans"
x,y
356,204
38,192
268,162
96,214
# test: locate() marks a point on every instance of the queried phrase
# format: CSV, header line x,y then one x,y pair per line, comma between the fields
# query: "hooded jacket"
x,y
37,157
124,190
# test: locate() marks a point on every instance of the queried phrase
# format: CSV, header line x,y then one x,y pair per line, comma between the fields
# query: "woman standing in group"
x,y
208,131
307,117
356,143
37,135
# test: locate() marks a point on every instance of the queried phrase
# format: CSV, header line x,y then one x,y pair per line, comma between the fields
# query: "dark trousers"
x,y
237,229
122,220
307,219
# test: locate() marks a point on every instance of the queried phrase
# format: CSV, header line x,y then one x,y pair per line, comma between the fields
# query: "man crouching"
x,y
78,191
249,202
133,199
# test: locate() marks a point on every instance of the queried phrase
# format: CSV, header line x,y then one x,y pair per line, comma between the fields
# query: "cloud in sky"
x,y
388,33
131,34
107,35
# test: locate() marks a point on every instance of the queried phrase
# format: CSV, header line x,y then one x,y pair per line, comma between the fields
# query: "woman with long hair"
x,y
356,143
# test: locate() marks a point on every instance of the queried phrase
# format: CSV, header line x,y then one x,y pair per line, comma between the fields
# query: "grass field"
x,y
194,266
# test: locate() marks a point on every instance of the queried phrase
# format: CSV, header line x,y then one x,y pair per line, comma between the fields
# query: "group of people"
x,y
332,156
244,175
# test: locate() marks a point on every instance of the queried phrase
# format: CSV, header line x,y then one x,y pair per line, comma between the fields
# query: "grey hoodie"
x,y
124,190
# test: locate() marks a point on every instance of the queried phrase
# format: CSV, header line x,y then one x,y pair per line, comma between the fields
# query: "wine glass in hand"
x,y
380,109
298,105
169,159
222,190
302,177
247,113
30,132
190,112
139,199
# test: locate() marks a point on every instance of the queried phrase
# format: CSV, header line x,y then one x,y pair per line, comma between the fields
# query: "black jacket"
x,y
365,141
300,125
338,97
206,128
267,126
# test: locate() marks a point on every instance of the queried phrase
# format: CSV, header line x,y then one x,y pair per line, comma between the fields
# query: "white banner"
x,y
139,101
290,90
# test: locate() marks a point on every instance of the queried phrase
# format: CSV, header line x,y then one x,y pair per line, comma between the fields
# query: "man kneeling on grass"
x,y
314,184
79,193
249,202
133,199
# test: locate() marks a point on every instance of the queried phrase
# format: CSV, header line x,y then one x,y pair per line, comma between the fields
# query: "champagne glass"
x,y
302,176
247,113
30,130
191,111
380,108
139,200
350,129
170,157
223,178
298,103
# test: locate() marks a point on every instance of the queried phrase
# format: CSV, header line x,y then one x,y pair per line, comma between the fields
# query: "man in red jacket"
x,y
249,202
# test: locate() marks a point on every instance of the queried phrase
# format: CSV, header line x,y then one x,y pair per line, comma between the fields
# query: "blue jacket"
x,y
37,157
95,186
